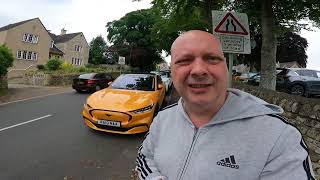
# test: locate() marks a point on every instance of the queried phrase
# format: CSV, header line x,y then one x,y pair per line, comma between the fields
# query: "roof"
x,y
63,38
55,50
7,27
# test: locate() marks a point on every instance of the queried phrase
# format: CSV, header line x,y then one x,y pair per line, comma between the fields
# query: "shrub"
x,y
6,59
41,67
66,66
54,64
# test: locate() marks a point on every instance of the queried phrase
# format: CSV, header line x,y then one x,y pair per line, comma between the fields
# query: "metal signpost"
x,y
122,61
232,29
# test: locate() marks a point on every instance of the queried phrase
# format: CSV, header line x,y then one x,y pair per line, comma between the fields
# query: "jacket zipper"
x,y
195,137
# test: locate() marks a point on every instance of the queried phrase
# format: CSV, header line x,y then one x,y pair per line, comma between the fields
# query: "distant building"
x,y
32,44
74,46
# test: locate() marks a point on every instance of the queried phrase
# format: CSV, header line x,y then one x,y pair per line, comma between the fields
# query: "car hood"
x,y
120,100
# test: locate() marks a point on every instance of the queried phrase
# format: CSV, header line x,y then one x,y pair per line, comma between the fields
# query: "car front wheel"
x,y
297,90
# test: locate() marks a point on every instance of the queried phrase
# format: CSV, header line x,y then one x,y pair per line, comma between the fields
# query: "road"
x,y
45,138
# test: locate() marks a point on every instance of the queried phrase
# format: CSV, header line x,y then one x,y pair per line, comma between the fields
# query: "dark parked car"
x,y
299,81
91,82
254,80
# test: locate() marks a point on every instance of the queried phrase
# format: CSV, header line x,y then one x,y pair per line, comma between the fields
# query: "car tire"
x,y
297,90
78,90
97,88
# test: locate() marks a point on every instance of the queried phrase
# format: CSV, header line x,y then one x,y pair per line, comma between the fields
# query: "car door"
x,y
312,80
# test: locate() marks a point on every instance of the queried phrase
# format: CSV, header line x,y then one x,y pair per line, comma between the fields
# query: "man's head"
x,y
199,70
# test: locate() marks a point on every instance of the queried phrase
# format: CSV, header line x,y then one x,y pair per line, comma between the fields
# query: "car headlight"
x,y
142,110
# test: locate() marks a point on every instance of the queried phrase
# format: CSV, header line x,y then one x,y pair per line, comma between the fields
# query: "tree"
x,y
272,18
292,47
276,18
98,47
6,59
177,16
131,37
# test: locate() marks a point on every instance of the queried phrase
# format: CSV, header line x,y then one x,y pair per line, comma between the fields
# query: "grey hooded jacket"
x,y
245,140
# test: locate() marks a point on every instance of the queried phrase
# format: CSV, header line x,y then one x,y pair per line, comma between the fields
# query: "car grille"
x,y
111,128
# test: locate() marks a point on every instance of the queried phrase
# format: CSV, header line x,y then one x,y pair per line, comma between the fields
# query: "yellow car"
x,y
127,106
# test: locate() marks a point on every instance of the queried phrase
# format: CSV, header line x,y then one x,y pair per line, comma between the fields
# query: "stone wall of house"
x,y
303,113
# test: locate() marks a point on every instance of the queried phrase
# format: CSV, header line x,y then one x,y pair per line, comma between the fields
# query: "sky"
x,y
91,16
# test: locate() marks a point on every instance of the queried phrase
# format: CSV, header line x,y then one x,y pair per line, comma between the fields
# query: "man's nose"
x,y
199,67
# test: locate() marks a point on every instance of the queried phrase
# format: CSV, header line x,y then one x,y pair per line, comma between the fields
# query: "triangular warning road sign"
x,y
230,25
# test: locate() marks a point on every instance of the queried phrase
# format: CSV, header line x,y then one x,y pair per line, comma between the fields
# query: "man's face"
x,y
198,67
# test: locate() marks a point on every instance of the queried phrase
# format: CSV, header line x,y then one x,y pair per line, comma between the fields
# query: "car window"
x,y
108,77
142,82
99,76
292,73
87,76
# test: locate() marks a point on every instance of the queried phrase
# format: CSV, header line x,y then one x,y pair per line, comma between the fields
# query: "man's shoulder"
x,y
169,107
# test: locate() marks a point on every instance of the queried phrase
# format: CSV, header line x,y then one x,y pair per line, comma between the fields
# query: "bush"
x,y
41,67
6,59
54,64
66,66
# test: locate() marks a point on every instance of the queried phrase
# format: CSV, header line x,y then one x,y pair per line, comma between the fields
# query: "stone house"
x,y
32,44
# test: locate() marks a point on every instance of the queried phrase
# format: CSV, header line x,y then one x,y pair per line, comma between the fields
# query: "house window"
x,y
29,55
77,48
34,56
19,55
25,37
30,38
24,55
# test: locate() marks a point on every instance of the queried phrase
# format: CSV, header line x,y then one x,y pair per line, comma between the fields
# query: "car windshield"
x,y
142,82
87,76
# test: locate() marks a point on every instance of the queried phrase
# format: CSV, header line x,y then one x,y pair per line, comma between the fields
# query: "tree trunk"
x,y
269,46
209,5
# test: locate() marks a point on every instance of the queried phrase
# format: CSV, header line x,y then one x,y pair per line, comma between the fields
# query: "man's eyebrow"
x,y
214,56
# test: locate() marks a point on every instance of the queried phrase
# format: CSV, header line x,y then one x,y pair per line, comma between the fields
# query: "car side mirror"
x,y
109,83
160,86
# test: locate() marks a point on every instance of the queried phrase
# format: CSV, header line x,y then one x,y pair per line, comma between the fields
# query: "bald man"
x,y
214,132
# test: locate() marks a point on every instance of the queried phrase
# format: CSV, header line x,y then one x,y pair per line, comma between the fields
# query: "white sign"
x,y
122,60
233,31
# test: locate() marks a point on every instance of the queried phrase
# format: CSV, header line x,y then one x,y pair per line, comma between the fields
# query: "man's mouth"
x,y
199,85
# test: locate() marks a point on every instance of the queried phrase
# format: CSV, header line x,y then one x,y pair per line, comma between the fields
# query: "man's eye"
x,y
182,62
213,59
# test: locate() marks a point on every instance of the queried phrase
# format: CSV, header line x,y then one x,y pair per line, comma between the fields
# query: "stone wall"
x,y
41,79
303,113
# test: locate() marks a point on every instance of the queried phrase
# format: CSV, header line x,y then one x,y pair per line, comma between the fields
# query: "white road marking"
x,y
35,97
16,125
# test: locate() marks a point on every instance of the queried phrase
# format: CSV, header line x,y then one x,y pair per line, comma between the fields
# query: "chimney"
x,y
63,31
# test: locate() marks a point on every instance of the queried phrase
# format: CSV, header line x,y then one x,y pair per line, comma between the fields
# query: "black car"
x,y
299,81
91,82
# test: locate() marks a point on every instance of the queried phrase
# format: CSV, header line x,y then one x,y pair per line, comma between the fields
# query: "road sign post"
x,y
232,29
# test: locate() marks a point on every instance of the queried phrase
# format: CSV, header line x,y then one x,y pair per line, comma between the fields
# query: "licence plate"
x,y
109,123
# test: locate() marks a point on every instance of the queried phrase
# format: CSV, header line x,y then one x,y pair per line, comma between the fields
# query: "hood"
x,y
120,100
241,105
